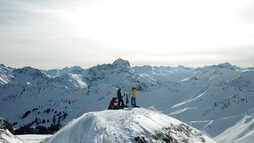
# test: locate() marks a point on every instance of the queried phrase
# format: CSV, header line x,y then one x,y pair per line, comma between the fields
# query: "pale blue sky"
x,y
48,34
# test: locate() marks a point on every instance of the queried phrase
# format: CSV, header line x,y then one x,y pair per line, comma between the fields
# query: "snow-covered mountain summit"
x,y
119,75
21,76
136,125
121,62
66,70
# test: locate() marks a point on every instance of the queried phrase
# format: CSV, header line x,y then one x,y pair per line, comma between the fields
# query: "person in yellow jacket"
x,y
133,96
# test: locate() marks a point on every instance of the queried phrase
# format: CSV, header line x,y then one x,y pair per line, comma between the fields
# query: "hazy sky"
x,y
48,34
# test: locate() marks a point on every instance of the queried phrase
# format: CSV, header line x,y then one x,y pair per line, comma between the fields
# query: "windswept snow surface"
x,y
242,132
124,126
33,138
7,137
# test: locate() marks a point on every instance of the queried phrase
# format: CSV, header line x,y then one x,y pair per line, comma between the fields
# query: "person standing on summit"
x,y
133,96
120,98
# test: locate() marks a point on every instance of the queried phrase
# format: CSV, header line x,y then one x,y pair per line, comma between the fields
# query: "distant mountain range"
x,y
213,99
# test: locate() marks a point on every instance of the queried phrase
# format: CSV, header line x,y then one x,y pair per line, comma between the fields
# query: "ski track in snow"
x,y
182,110
189,100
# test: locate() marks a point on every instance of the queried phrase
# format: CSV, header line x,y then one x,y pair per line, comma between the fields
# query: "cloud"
x,y
56,33
246,12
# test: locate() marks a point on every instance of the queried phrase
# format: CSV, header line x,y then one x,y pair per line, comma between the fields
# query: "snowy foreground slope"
x,y
130,125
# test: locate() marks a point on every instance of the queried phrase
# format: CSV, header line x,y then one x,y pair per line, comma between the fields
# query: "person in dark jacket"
x,y
120,98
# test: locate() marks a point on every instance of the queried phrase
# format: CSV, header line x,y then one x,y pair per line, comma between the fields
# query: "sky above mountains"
x,y
56,33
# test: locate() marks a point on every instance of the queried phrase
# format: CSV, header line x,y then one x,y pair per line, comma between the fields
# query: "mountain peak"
x,y
72,68
2,65
226,65
138,124
121,62
30,71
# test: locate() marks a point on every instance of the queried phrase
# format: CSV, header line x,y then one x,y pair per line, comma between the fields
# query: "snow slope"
x,y
5,74
242,132
125,126
33,138
8,137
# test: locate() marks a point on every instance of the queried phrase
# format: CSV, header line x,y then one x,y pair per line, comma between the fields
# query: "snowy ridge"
x,y
66,70
131,125
5,75
8,137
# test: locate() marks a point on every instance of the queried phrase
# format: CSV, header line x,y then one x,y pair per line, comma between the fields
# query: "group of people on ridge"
x,y
120,101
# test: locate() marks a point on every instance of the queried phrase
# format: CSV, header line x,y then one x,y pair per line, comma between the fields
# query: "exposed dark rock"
x,y
4,124
139,139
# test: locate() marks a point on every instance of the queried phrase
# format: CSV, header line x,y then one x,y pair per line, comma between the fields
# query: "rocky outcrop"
x,y
4,124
